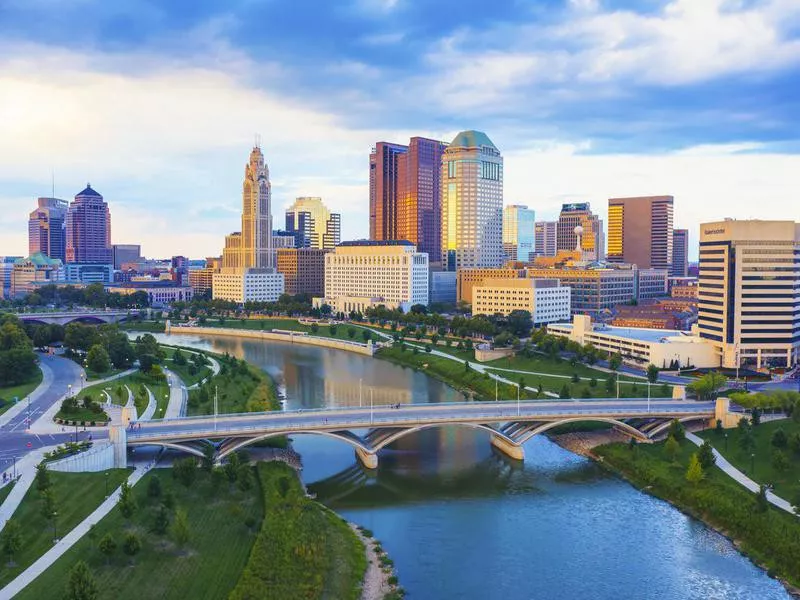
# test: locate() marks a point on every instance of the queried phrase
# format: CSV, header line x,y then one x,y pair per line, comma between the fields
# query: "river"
x,y
462,521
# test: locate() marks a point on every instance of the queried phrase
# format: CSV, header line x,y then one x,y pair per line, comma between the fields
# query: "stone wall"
x,y
97,458
485,355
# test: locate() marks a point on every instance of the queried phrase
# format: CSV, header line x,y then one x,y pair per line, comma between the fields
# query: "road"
x,y
60,373
408,415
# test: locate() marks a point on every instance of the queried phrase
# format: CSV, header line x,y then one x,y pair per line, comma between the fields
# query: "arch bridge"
x,y
370,429
66,317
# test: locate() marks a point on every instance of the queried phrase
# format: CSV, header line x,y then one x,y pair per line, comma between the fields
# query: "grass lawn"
x,y
452,373
786,482
188,372
76,496
119,392
342,331
143,326
5,491
240,388
585,389
771,538
21,391
303,550
209,567
93,376
544,364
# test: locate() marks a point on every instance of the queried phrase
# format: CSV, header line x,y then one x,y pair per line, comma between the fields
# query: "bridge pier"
x,y
368,459
510,450
119,436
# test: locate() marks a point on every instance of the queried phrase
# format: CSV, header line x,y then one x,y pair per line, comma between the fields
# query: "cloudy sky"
x,y
157,104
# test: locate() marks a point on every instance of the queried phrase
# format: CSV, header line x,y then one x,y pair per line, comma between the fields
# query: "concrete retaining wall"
x,y
98,458
309,340
485,355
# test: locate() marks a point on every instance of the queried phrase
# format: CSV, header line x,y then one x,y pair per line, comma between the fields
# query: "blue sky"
x,y
157,104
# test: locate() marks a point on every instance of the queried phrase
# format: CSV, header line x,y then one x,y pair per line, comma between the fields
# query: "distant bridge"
x,y
510,423
65,317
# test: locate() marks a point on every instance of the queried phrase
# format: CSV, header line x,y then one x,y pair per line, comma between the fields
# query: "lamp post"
x,y
495,390
648,395
55,530
371,407
753,464
76,432
216,404
15,467
726,442
106,478
518,407
359,392
29,410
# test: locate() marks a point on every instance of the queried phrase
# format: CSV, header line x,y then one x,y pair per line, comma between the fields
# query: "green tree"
x,y
11,540
132,545
611,382
564,394
706,456
719,430
615,361
231,467
97,360
81,584
779,438
677,430
127,503
107,546
42,477
185,470
351,332
762,504
180,530
154,487
755,417
161,522
747,442
780,462
179,358
672,448
652,373
695,471
707,386
575,378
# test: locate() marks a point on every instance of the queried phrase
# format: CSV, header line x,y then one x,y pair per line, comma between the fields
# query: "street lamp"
x,y
371,407
106,484
15,467
69,390
55,530
359,392
753,464
518,389
726,442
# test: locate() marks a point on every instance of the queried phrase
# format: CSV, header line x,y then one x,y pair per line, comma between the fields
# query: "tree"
x,y
351,332
42,477
779,461
762,504
180,529
755,417
11,540
81,584
779,438
615,361
677,430
231,467
718,429
154,487
564,394
611,382
208,458
706,387
97,360
146,362
520,323
161,522
132,545
127,504
672,448
706,456
108,545
575,378
185,470
747,442
695,471
652,373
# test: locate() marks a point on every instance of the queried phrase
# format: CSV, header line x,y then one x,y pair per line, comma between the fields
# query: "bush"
x,y
779,438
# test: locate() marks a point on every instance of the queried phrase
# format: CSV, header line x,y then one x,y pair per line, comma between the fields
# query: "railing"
x,y
367,422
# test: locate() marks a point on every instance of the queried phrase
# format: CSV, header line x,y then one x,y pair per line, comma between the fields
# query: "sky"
x,y
157,104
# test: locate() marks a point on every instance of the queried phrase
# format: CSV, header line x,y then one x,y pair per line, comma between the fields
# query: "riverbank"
x,y
769,538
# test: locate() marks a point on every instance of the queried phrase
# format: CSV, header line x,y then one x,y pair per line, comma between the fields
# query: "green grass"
x,y
93,376
453,373
289,324
76,496
5,491
210,566
148,326
185,371
770,538
119,393
787,483
540,363
243,388
303,550
21,391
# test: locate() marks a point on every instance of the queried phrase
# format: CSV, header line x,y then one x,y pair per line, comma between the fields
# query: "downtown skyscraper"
x,y
519,224
47,228
579,214
88,229
680,252
640,231
313,225
472,203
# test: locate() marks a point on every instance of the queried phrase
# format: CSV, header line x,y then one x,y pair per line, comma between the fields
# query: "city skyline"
x,y
609,120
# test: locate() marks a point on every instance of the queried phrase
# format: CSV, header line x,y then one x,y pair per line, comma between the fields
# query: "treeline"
x,y
17,358
93,295
302,550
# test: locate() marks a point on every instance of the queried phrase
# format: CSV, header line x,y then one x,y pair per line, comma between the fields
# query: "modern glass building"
x,y
680,252
640,231
89,229
383,190
313,224
472,203
519,223
579,214
544,238
47,231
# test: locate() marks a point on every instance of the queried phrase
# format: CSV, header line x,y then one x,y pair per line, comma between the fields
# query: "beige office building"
x,y
363,274
640,231
467,279
749,292
593,289
546,299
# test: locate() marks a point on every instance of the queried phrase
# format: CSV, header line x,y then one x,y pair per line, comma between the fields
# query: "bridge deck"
x,y
409,415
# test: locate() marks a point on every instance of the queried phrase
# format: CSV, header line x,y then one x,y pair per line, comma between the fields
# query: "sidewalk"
x,y
69,540
151,407
740,477
177,394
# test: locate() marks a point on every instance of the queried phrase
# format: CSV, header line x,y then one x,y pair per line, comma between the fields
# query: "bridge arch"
x,y
652,433
393,437
237,444
551,424
188,448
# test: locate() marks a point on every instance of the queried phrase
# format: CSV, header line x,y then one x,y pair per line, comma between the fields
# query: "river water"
x,y
462,521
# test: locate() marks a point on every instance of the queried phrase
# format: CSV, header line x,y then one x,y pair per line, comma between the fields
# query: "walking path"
x,y
177,396
151,406
46,424
69,540
26,470
740,477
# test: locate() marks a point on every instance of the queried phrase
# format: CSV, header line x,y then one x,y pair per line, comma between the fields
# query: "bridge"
x,y
509,423
65,317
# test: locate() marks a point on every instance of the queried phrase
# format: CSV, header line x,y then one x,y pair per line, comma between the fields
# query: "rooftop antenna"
x,y
258,140
53,182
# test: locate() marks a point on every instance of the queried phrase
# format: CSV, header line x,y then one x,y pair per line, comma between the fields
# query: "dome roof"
x,y
472,139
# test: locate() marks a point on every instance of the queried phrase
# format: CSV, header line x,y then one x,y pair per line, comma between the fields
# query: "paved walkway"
x,y
177,396
26,470
151,407
740,477
69,540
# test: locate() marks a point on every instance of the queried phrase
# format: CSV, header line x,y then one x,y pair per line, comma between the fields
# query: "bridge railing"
x,y
511,414
430,406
